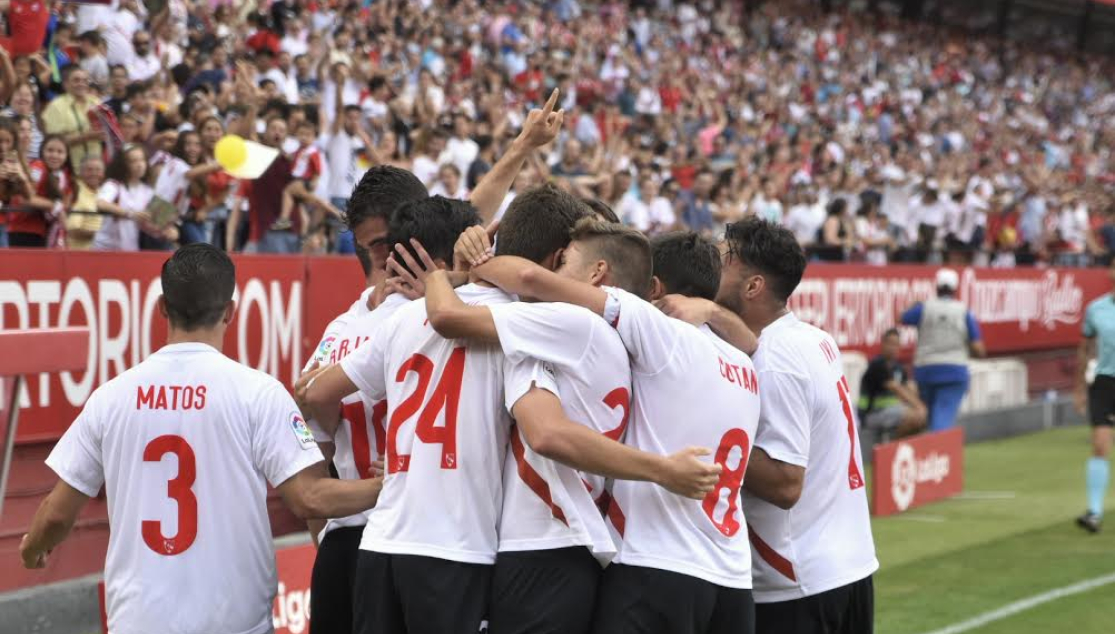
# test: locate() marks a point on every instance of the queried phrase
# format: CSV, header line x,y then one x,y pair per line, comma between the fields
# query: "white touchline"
x,y
921,518
1011,609
986,495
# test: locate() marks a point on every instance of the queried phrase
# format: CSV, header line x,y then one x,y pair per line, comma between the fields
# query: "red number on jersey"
x,y
730,479
618,397
179,489
447,395
357,416
855,480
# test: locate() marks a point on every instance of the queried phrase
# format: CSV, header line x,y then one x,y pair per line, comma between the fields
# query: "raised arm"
x,y
319,393
550,433
522,277
540,128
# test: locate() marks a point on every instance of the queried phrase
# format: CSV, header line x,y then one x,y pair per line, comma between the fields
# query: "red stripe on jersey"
x,y
771,556
610,508
532,477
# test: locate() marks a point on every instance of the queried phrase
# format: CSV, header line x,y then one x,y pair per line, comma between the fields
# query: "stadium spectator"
x,y
68,115
887,402
84,219
124,198
730,112
948,336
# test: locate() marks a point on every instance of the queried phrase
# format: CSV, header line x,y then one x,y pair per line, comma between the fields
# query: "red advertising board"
x,y
915,471
284,303
1018,309
291,611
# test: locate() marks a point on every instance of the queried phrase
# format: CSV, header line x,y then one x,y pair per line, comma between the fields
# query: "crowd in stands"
x,y
874,139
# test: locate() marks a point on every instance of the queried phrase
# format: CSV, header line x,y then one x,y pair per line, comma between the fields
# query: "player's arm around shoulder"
x,y
451,317
698,311
519,276
313,494
551,434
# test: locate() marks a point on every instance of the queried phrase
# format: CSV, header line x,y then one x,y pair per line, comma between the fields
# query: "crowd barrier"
x,y
285,302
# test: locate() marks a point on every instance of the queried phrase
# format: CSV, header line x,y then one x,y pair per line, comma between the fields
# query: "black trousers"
x,y
1101,401
638,600
848,609
331,585
409,594
544,591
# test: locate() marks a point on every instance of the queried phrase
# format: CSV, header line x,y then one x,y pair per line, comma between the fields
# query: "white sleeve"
x,y
520,376
365,365
784,416
282,444
649,335
77,456
325,346
557,333
109,191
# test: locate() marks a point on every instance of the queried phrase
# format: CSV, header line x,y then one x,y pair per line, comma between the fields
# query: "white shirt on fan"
x,y
690,389
359,438
213,433
824,542
442,492
593,380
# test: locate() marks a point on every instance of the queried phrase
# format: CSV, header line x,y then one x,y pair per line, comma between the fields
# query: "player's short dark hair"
x,y
624,248
891,332
198,283
538,222
380,191
686,264
353,108
601,209
770,249
435,221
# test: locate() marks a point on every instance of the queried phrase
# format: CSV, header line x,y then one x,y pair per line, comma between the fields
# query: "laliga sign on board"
x,y
912,472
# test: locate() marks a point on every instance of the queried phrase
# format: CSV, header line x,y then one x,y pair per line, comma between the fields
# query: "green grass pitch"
x,y
1011,539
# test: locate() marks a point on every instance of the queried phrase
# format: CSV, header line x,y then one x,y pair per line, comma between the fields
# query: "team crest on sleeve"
x,y
302,431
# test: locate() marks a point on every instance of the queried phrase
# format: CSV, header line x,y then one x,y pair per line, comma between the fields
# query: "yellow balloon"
x,y
231,151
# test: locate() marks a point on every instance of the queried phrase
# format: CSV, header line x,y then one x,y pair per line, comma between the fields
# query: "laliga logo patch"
x,y
903,476
323,349
302,432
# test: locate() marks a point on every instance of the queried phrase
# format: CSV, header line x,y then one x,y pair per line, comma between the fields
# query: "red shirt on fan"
x,y
265,199
35,221
307,163
27,22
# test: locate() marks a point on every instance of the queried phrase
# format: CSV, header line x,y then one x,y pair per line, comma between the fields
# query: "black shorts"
x,y
544,591
332,581
848,609
409,594
651,601
1101,401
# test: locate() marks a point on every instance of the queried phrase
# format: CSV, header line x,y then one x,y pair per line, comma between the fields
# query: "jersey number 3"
x,y
446,396
179,489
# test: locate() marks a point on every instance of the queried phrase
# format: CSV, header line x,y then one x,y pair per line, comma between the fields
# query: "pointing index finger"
x,y
550,103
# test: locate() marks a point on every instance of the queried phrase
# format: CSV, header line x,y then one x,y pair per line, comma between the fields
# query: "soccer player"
x,y
426,559
804,492
358,434
1098,400
550,530
185,444
683,565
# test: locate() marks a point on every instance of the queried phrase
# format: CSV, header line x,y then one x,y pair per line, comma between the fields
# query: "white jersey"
x,y
690,389
824,541
446,437
359,438
548,505
330,349
186,443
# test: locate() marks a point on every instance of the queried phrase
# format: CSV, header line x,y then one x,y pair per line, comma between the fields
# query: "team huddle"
x,y
545,424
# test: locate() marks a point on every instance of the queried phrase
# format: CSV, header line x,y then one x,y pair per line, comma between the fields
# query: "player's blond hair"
x,y
625,249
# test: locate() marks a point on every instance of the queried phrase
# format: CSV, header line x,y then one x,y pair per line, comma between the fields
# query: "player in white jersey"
x,y
683,565
426,559
185,444
552,537
805,494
